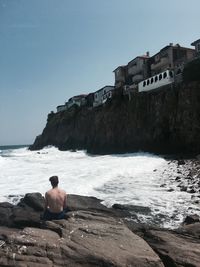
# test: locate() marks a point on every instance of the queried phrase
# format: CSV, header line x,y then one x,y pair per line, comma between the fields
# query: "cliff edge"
x,y
166,120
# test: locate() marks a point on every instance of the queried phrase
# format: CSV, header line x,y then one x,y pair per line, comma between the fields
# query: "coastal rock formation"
x,y
90,235
84,238
162,121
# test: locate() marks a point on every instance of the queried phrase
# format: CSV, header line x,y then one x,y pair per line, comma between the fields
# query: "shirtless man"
x,y
55,201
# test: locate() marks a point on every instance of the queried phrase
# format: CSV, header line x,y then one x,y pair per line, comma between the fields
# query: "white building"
x,y
197,46
79,100
102,95
61,108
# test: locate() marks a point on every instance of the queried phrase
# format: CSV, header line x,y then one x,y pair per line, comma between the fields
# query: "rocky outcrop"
x,y
164,121
91,235
84,238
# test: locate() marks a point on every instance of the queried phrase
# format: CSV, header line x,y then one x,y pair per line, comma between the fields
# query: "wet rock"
x,y
191,191
33,200
181,162
170,190
183,188
132,208
5,213
191,219
175,250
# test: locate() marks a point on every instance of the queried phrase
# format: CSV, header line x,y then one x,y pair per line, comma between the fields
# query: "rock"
x,y
191,191
33,200
76,202
183,188
192,229
191,219
5,213
181,162
132,208
174,249
170,190
88,239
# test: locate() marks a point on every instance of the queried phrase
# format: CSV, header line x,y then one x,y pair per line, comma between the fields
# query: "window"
x,y
151,80
198,47
156,79
147,82
171,74
144,83
165,75
160,77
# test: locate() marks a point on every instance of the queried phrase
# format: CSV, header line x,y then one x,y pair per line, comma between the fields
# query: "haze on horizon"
x,y
52,50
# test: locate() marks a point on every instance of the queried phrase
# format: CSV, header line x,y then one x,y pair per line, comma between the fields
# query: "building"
x,y
79,100
120,76
102,95
197,47
137,69
89,100
61,108
171,57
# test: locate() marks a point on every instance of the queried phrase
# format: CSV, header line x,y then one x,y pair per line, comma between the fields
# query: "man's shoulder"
x,y
62,191
48,192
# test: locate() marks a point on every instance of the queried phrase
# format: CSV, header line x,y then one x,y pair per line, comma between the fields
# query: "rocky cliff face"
x,y
161,121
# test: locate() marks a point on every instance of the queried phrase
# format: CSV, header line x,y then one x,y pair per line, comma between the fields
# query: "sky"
x,y
51,50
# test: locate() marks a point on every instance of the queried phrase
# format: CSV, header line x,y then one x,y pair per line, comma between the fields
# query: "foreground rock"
x,y
175,250
84,239
91,235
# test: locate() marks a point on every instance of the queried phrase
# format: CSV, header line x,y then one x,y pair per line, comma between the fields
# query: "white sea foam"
x,y
125,179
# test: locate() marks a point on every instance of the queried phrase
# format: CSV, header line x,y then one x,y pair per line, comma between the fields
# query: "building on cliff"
x,y
120,76
197,47
79,100
61,108
102,95
171,57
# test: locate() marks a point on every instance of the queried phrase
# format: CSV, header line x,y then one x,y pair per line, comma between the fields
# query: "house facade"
x,y
120,76
137,70
79,100
61,108
196,44
101,96
170,57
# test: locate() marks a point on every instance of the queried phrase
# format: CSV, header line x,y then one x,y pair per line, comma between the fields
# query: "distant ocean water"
x,y
132,179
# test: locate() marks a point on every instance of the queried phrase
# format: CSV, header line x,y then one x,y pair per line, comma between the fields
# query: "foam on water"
x,y
124,179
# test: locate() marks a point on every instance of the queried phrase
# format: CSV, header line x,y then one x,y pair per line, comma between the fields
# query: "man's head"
x,y
54,181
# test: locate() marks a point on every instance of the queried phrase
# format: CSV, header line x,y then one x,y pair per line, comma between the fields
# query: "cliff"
x,y
160,121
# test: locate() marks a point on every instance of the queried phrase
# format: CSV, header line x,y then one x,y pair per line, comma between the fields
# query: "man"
x,y
55,201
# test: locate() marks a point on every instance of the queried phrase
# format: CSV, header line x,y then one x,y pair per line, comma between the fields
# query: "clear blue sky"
x,y
51,50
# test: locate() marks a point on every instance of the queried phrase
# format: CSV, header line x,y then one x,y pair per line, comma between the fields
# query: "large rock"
x,y
175,250
85,239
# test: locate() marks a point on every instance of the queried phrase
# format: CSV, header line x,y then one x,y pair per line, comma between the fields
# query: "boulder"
x,y
5,213
175,250
33,200
86,239
191,219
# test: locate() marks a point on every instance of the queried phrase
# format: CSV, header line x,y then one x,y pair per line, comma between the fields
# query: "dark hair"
x,y
54,180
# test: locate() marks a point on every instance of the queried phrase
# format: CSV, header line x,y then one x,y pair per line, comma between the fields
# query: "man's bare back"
x,y
55,200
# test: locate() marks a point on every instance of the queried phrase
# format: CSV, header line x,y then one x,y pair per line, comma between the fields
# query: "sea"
x,y
126,179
